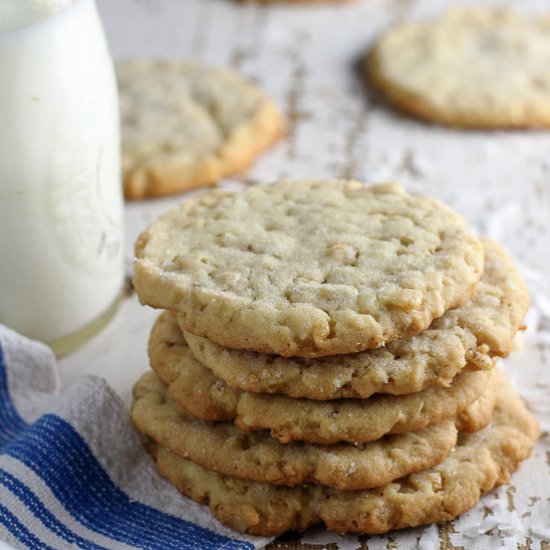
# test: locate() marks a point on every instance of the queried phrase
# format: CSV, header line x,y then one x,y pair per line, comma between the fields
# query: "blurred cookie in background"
x,y
469,68
186,125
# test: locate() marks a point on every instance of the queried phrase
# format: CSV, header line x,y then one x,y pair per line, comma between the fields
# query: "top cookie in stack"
x,y
308,268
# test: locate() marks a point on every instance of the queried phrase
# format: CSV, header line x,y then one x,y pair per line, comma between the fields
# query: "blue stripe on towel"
x,y
34,505
20,532
11,424
58,454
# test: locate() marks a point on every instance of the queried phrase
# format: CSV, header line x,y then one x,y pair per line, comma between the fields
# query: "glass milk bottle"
x,y
61,267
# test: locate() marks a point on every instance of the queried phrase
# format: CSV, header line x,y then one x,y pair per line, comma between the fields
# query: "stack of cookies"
x,y
327,355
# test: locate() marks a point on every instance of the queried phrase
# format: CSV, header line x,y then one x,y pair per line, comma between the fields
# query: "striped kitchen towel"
x,y
73,473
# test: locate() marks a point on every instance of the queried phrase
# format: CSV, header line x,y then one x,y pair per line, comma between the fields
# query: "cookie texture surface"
x,y
469,68
185,125
471,335
202,394
308,268
222,447
480,462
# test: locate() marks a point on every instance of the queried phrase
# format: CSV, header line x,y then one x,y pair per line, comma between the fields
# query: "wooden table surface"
x,y
308,60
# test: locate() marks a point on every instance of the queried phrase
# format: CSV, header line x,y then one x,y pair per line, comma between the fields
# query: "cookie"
x,y
473,334
480,462
199,392
354,420
185,125
222,447
308,268
469,68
